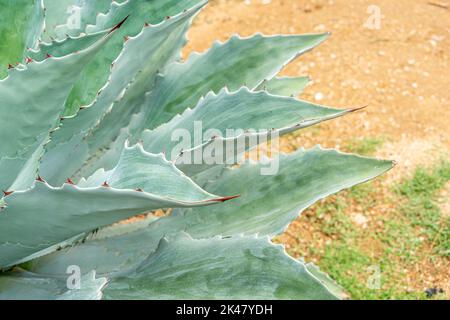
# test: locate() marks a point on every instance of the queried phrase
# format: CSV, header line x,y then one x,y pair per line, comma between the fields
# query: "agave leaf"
x,y
87,13
131,76
64,47
152,12
70,17
242,110
26,166
152,173
285,86
238,62
90,288
56,13
42,217
227,151
235,268
159,140
112,251
34,95
105,157
274,201
20,23
95,75
122,123
36,24
266,206
19,285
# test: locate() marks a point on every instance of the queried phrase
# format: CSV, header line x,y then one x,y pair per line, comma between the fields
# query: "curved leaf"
x,y
285,86
42,217
236,268
266,206
238,62
112,251
70,17
33,96
66,46
151,173
95,75
20,24
242,111
269,203
132,75
20,285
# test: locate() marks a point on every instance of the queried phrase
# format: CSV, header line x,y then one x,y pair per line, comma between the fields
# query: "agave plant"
x,y
85,118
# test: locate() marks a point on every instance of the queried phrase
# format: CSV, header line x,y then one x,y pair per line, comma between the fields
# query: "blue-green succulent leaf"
x,y
70,17
269,204
112,251
140,12
285,86
245,112
233,64
235,268
20,285
42,217
31,103
151,173
85,134
21,22
82,14
64,47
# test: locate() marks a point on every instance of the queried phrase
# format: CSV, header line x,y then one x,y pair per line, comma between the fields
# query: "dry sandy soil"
x,y
401,71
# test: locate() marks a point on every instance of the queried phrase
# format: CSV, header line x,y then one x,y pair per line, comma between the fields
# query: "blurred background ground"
x,y
397,227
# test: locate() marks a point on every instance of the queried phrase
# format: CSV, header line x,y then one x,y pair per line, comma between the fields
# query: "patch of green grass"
x,y
425,183
413,221
365,146
400,240
333,219
342,258
364,194
357,272
353,268
421,208
348,266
